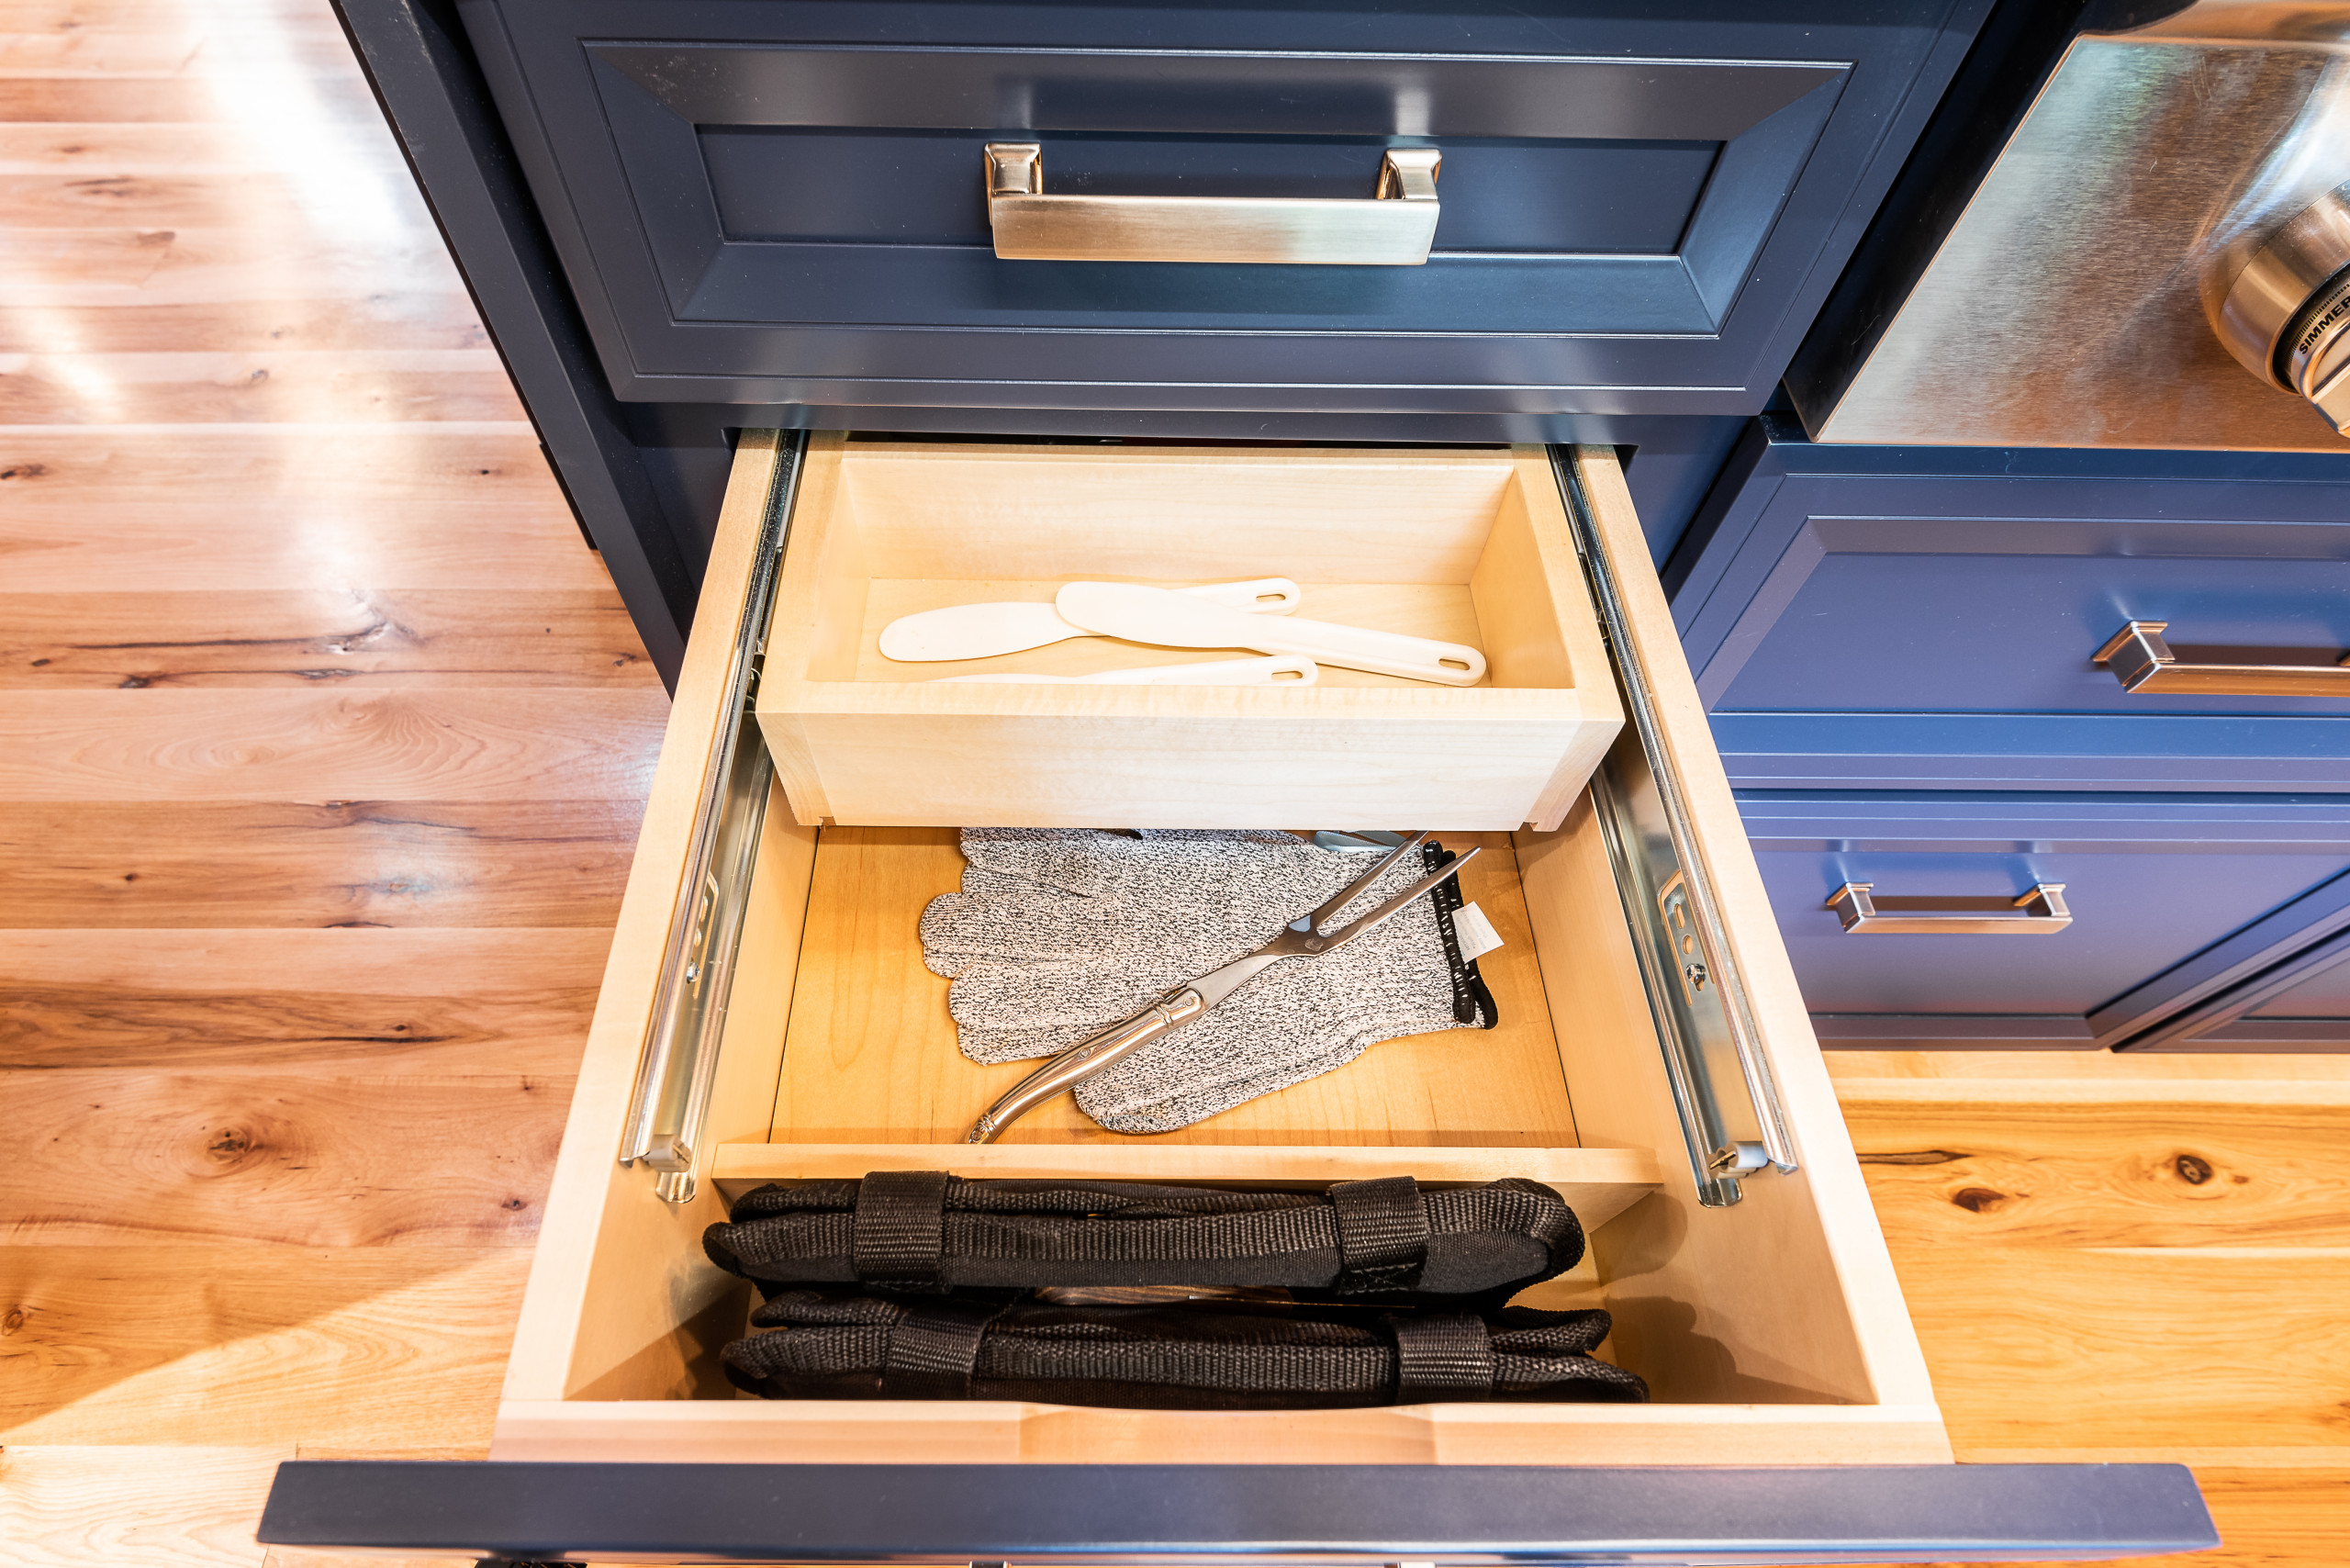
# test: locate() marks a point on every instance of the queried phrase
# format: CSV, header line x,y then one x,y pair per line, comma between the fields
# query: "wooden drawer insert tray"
x,y
1464,545
1770,1331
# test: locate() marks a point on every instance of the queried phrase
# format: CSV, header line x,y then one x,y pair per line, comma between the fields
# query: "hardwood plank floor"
x,y
2118,1259
355,863
322,743
326,1342
437,637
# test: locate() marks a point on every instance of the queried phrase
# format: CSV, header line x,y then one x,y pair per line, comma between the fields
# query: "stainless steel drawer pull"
x,y
2141,661
1392,228
2040,913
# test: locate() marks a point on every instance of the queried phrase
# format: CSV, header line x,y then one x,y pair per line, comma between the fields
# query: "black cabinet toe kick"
x,y
1189,1514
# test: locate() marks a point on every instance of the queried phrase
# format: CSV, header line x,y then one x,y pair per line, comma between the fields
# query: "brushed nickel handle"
x,y
2040,913
2141,661
1395,227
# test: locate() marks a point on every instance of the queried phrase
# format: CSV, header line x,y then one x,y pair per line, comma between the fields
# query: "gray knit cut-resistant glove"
x,y
1060,933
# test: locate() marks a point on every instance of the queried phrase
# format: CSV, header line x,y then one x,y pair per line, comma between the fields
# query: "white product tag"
x,y
1477,934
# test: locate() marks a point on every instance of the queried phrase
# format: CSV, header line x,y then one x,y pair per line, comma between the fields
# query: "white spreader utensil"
x,y
983,630
1280,670
1179,620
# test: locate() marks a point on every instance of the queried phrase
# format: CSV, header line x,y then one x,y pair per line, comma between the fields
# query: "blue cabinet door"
x,y
1901,617
781,201
2155,887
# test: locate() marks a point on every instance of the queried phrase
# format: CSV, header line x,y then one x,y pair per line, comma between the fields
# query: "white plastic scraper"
x,y
983,630
1179,621
1280,669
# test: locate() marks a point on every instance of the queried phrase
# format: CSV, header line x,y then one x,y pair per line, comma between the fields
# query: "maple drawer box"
x,y
1468,545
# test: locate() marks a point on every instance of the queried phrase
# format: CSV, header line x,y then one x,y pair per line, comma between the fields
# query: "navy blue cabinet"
x,y
689,218
780,201
1869,623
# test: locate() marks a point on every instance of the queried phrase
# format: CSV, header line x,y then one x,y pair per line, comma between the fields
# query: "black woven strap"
x,y
1382,1234
899,1231
934,1348
1441,1357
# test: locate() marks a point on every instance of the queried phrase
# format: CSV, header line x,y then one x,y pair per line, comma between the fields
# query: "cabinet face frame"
x,y
1777,1324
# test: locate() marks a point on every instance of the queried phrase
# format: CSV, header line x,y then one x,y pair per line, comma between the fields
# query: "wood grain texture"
x,y
140,148
35,99
870,1054
1931,1081
2154,1248
382,1004
1998,1176
103,52
236,510
463,744
407,963
402,319
355,863
114,257
260,1027
124,1156
2134,1350
336,385
76,200
400,1347
439,637
187,1505
218,264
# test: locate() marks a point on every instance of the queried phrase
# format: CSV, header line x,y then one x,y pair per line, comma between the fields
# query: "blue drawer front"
x,y
1882,617
2151,882
1956,618
766,201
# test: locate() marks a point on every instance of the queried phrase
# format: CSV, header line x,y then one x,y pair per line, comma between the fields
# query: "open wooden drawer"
x,y
766,1016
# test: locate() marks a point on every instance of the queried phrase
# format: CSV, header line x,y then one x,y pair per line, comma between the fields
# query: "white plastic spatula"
x,y
983,630
1179,621
1280,669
